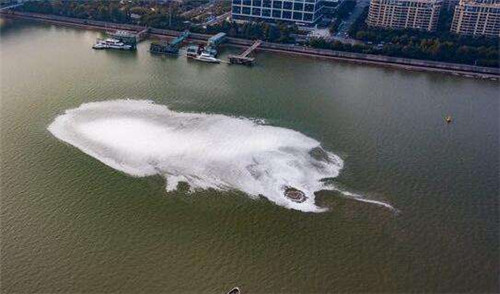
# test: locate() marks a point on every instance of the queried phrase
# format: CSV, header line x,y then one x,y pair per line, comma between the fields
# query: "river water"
x,y
70,223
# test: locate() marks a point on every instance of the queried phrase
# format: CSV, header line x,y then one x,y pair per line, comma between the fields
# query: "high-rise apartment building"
x,y
404,14
298,11
450,4
477,18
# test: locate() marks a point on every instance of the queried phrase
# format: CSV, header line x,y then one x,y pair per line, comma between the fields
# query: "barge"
x,y
171,48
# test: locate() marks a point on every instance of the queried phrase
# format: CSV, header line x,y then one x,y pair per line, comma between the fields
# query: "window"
x,y
236,1
277,13
298,6
287,5
287,15
246,10
308,16
247,2
256,11
266,3
309,7
297,16
257,3
236,9
277,4
266,12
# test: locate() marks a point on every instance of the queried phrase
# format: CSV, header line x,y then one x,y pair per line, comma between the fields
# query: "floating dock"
x,y
243,57
128,37
195,51
214,42
171,47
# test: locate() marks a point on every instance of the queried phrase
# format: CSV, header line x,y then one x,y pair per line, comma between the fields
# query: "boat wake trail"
x,y
141,138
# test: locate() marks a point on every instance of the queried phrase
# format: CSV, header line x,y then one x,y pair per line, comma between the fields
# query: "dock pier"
x,y
243,57
214,42
142,34
172,47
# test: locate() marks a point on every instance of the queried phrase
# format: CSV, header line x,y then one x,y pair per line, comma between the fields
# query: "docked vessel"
x,y
110,43
192,51
124,36
198,52
207,57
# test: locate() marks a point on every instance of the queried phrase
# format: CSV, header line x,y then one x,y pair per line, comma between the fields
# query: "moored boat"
x,y
111,43
206,57
192,51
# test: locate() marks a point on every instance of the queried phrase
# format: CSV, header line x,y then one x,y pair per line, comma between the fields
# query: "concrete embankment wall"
x,y
405,63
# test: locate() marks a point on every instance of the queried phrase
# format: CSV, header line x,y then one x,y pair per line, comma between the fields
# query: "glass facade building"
x,y
298,11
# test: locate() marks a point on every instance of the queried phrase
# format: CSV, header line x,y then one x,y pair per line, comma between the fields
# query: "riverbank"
x,y
359,58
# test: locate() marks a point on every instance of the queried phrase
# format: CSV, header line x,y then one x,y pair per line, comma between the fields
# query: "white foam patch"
x,y
141,138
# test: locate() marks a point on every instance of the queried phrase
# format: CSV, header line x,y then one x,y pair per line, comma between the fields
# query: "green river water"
x,y
71,224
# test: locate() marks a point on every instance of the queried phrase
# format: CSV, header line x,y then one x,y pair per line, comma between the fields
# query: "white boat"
x,y
207,57
192,51
110,43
